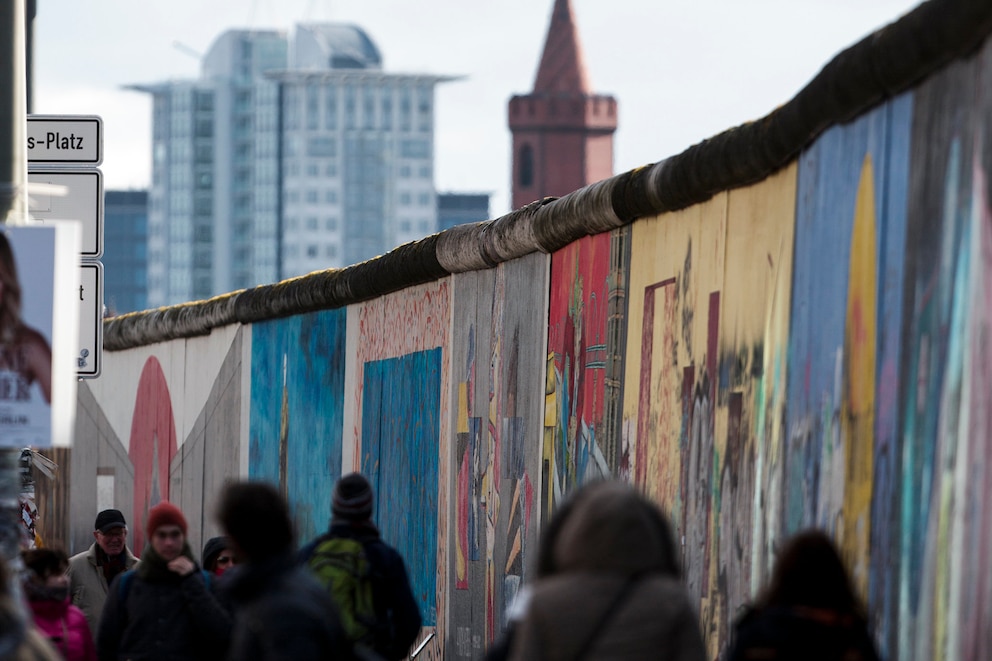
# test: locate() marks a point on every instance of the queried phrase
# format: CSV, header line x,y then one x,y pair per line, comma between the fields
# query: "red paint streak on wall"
x,y
152,446
712,337
644,392
578,316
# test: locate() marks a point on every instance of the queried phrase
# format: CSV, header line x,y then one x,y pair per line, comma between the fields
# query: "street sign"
x,y
83,201
55,139
89,362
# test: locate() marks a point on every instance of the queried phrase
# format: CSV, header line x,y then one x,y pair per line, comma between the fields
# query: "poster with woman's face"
x,y
31,263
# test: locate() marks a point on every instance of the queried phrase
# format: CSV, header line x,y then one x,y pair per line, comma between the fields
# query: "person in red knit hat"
x,y
164,609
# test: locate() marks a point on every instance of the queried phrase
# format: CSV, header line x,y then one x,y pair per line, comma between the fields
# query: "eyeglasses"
x,y
115,533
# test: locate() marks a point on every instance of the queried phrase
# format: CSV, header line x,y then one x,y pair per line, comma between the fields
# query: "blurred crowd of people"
x,y
607,585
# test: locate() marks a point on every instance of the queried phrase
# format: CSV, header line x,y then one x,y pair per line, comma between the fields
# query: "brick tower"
x,y
562,132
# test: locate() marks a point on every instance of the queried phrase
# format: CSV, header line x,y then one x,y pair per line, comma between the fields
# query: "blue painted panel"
x,y
297,403
829,173
400,430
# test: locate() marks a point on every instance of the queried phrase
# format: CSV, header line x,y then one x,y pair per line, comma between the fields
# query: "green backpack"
x,y
341,566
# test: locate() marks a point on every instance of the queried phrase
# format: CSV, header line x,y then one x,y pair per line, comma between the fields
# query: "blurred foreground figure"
x,y
608,585
808,611
280,611
46,587
19,639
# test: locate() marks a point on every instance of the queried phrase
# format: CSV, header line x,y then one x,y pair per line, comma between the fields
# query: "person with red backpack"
x,y
365,576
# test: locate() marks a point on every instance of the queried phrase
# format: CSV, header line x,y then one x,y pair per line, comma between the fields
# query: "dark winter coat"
x,y
282,614
162,616
780,633
611,590
397,613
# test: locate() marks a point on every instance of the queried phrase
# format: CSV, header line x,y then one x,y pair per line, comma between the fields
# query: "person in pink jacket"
x,y
46,587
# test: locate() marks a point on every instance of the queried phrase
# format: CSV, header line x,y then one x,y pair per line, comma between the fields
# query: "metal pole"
x,y
31,10
13,115
13,210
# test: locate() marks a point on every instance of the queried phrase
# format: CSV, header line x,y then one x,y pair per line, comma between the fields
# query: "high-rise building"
x,y
125,252
287,155
457,208
562,131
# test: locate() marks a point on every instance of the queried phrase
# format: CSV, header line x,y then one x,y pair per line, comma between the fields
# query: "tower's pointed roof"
x,y
562,66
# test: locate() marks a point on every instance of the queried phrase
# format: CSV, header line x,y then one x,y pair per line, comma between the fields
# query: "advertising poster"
x,y
38,334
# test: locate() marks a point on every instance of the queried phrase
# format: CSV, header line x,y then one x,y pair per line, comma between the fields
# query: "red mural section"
x,y
152,446
577,338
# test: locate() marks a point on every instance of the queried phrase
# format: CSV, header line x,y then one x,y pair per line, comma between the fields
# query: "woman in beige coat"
x,y
609,586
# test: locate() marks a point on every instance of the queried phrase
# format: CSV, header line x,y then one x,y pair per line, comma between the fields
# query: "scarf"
x,y
154,569
112,565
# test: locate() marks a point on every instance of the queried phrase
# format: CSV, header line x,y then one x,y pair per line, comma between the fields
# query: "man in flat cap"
x,y
91,571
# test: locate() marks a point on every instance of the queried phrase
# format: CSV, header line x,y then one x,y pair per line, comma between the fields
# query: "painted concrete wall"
x,y
810,350
498,351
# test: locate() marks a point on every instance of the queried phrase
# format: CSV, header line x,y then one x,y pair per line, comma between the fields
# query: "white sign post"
x,y
63,152
90,320
83,201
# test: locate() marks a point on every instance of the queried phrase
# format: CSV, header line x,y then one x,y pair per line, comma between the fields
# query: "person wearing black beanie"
x,y
353,539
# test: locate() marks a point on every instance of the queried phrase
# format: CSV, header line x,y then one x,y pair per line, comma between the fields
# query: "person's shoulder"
x,y
82,558
306,551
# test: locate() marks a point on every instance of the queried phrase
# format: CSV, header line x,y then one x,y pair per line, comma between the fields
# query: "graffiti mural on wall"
x,y
401,376
705,378
499,431
400,457
841,458
944,580
152,445
678,318
296,417
586,313
811,350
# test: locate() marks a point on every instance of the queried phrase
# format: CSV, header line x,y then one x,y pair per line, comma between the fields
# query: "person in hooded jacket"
x,y
219,556
808,611
46,587
608,585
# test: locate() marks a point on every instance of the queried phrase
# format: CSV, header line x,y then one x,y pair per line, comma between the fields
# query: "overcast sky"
x,y
681,70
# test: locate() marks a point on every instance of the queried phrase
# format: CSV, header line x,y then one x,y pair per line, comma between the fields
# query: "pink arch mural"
x,y
152,446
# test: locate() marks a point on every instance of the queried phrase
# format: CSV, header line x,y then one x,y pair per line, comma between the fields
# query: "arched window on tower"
x,y
526,171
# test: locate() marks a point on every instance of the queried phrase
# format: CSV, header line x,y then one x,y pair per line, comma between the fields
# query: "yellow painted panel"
x,y
704,386
858,415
